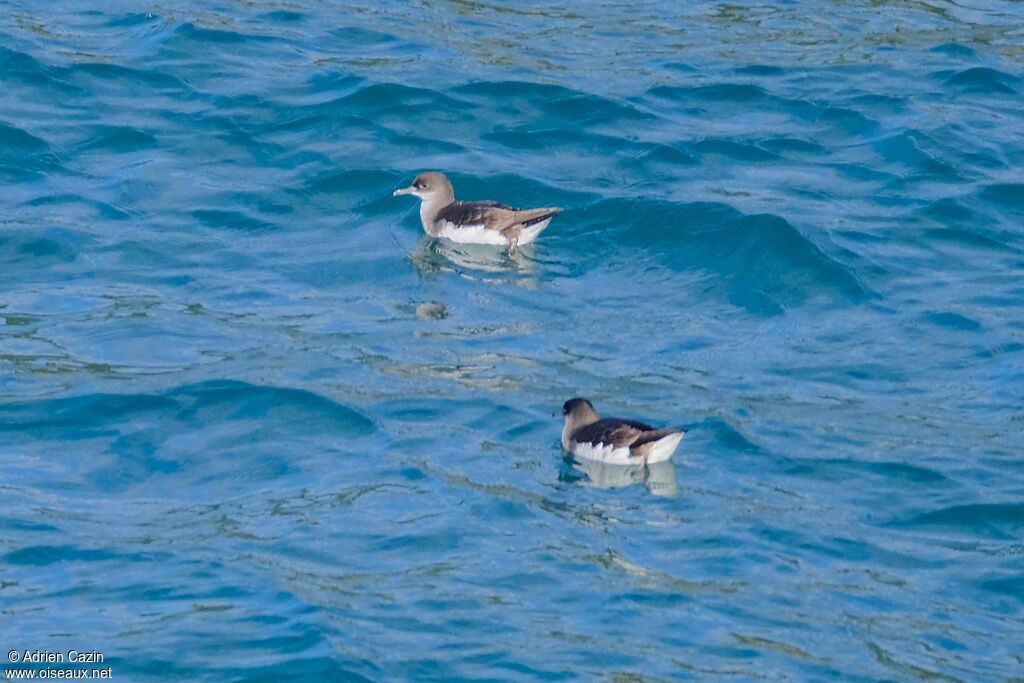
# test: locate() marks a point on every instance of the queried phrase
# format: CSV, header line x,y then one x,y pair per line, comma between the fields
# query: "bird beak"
x,y
404,190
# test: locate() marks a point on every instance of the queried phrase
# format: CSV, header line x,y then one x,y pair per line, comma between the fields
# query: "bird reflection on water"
x,y
432,256
659,478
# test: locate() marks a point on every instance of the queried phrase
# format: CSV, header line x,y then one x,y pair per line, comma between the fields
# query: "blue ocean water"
x,y
255,426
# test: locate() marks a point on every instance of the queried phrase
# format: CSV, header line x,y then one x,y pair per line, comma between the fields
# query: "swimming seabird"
x,y
473,222
614,441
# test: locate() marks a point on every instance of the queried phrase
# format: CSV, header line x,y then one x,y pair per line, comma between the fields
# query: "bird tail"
x,y
656,435
529,217
657,445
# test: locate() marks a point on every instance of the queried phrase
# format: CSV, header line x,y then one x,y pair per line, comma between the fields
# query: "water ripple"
x,y
256,425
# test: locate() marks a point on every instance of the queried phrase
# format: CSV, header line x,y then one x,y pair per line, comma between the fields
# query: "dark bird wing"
x,y
492,215
471,213
612,431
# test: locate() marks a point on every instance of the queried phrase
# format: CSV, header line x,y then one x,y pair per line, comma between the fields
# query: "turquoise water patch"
x,y
255,425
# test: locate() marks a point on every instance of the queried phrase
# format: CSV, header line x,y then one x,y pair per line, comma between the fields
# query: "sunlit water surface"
x,y
253,425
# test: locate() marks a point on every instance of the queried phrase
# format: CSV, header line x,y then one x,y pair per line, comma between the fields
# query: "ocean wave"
x,y
983,79
763,263
999,520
